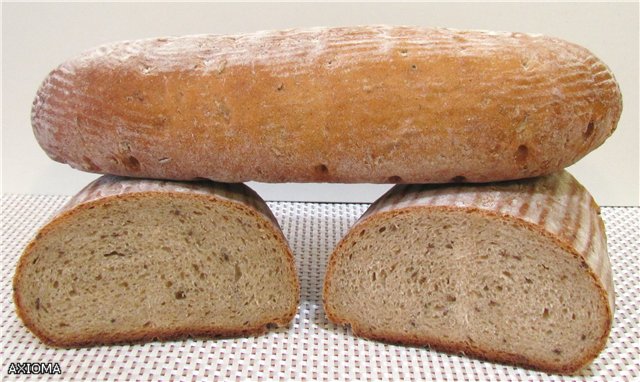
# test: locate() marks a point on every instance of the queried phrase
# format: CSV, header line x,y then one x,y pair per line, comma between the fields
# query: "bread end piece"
x,y
431,267
150,264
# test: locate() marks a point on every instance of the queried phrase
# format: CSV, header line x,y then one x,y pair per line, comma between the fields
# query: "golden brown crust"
x,y
357,104
150,334
379,213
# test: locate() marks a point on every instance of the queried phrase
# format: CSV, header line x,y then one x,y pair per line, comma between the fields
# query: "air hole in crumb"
x,y
521,154
147,324
448,245
451,298
557,351
38,303
394,179
492,303
180,295
168,284
113,320
238,273
404,52
362,232
55,284
414,66
545,314
280,86
382,229
583,337
573,316
458,179
589,131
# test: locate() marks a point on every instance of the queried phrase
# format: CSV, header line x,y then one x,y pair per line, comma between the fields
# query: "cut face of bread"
x,y
514,272
139,260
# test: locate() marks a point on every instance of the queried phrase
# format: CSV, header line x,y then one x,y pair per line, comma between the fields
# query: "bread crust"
x,y
87,200
373,104
397,202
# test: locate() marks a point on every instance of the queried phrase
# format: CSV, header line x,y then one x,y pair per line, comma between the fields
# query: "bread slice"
x,y
134,260
515,272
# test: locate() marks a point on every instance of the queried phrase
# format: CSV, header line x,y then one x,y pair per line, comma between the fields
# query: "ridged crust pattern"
x,y
373,104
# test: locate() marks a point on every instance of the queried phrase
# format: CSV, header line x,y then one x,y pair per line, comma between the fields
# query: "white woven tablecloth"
x,y
311,348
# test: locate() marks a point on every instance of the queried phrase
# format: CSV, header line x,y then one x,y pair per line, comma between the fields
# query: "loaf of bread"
x,y
354,104
515,272
131,260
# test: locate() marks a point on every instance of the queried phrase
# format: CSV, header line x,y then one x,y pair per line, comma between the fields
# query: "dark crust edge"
x,y
150,335
486,354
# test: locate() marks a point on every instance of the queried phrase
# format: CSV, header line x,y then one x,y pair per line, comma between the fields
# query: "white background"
x,y
38,37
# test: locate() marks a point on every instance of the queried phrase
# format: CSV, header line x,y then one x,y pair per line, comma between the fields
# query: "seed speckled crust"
x,y
374,104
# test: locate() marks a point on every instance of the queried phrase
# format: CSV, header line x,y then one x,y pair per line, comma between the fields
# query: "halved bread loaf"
x,y
133,260
516,272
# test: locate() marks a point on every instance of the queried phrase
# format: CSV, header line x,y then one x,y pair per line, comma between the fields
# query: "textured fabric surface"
x,y
311,348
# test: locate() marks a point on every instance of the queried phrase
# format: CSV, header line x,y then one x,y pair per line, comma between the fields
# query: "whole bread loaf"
x,y
137,260
372,104
515,272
